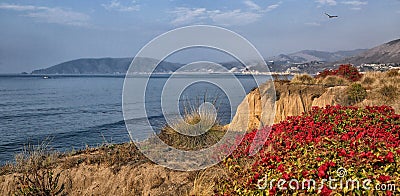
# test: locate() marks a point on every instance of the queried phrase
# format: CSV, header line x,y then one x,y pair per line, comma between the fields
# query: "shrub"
x,y
36,177
389,92
35,157
368,80
364,142
355,94
334,81
346,71
349,72
303,79
42,182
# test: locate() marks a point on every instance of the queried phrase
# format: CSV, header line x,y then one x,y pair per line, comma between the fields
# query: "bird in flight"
x,y
330,16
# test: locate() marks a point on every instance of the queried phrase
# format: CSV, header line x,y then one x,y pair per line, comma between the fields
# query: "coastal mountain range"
x,y
315,55
103,66
382,54
310,61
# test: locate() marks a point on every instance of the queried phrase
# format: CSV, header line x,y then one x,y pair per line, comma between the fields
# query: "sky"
x,y
40,33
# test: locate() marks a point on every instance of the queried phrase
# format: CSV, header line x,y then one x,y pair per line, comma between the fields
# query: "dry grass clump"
x,y
373,74
377,79
35,157
36,175
187,142
281,78
112,155
382,88
389,92
303,79
382,84
199,128
332,81
206,180
393,73
372,80
43,182
37,169
368,81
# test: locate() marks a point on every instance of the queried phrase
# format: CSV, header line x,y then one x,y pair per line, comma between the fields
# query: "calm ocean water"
x,y
85,110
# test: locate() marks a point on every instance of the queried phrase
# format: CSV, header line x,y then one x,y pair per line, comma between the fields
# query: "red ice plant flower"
x,y
346,71
315,145
383,178
389,157
325,191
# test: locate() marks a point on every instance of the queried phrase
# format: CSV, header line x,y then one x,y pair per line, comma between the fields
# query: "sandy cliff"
x,y
291,100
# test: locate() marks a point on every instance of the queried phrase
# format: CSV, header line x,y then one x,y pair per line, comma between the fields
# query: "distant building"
x,y
379,66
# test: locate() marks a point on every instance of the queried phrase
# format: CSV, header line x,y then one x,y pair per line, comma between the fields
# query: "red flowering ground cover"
x,y
346,71
335,143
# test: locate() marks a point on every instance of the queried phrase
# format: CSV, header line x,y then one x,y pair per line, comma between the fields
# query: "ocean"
x,y
73,112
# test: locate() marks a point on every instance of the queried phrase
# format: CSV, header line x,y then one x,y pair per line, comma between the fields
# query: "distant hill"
x,y
315,55
88,66
308,61
121,65
104,66
385,53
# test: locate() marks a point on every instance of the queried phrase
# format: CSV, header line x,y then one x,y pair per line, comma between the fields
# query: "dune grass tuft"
x,y
303,79
389,92
332,81
36,175
193,119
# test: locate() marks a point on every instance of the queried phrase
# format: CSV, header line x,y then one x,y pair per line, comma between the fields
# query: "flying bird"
x,y
330,16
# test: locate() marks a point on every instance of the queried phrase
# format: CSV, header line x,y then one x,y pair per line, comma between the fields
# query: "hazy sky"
x,y
40,33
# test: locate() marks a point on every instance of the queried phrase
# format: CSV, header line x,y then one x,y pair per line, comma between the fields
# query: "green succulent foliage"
x,y
356,93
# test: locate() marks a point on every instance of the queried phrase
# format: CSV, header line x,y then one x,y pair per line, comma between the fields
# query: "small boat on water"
x,y
46,77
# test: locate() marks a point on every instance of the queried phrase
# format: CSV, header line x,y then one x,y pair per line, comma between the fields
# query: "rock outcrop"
x,y
294,99
256,109
260,108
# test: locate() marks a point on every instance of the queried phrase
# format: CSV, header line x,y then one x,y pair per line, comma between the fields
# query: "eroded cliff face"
x,y
294,99
256,109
